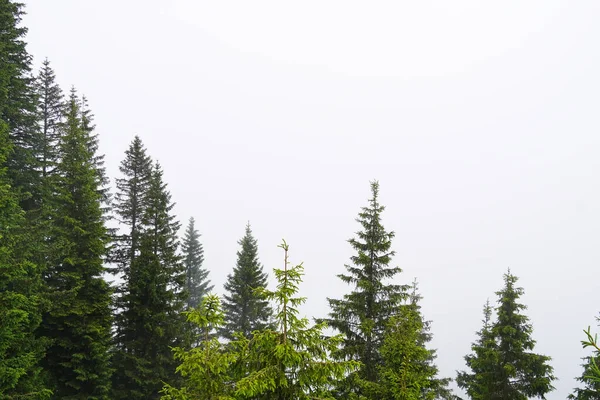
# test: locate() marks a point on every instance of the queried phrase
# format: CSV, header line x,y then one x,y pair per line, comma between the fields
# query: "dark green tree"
x,y
590,378
197,282
152,321
246,310
79,319
131,202
363,314
17,102
481,382
503,364
20,350
51,109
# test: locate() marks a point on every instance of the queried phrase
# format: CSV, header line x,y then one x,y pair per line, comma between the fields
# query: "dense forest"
x,y
160,332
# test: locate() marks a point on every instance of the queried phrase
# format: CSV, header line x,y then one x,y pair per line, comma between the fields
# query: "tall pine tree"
x,y
197,282
362,315
503,363
20,350
246,310
51,109
17,102
79,320
152,322
129,206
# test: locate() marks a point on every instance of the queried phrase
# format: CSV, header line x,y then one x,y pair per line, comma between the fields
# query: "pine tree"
x,y
503,363
291,362
197,282
79,319
245,310
362,315
405,372
129,206
50,113
590,378
208,369
152,319
17,102
409,370
20,350
481,383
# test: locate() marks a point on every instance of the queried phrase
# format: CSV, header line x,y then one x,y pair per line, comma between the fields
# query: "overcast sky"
x,y
479,119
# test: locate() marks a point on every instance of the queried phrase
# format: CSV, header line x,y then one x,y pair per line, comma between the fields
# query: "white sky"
x,y
480,119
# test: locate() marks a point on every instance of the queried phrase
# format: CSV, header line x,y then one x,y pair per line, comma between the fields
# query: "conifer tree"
x,y
79,319
17,102
503,363
130,204
245,310
590,378
362,315
481,382
197,282
152,319
20,350
208,369
408,370
291,362
50,114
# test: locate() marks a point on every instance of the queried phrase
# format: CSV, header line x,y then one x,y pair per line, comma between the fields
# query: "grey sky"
x,y
480,119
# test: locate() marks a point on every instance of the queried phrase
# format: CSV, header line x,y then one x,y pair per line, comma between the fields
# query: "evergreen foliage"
x,y
207,368
20,350
79,319
131,203
362,315
17,102
503,363
152,322
408,370
51,109
590,378
197,282
245,309
291,362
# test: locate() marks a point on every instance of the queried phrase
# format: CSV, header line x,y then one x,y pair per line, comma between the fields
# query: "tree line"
x,y
158,331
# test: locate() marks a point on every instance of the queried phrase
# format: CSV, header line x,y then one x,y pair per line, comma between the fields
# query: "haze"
x,y
479,119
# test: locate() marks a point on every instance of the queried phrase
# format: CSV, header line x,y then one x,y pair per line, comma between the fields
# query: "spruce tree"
x,y
20,350
50,114
209,368
152,322
408,370
481,382
590,378
245,310
129,207
197,282
362,315
79,320
503,363
130,204
291,362
17,102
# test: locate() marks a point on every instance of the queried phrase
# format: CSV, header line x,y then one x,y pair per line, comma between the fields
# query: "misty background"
x,y
480,120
